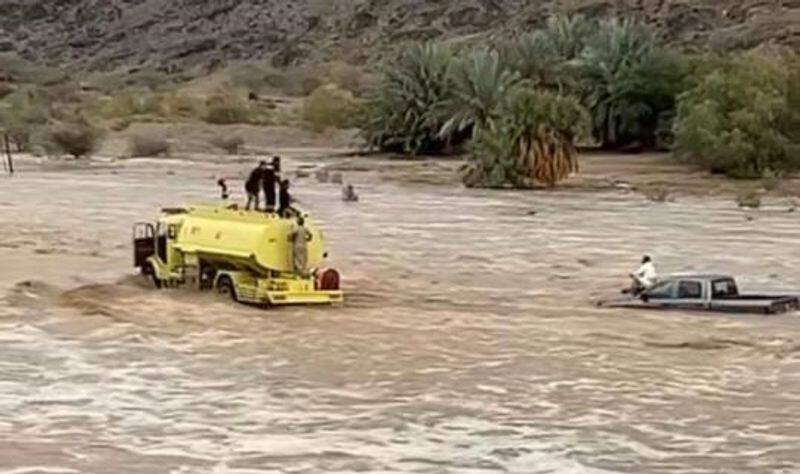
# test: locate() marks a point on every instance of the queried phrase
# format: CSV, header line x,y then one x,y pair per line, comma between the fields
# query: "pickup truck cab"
x,y
705,293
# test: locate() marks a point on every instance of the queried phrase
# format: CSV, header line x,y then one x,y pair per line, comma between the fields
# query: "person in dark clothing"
x,y
268,181
253,185
285,197
276,164
223,184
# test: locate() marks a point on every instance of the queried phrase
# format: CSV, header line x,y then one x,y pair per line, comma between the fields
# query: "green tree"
x,y
21,113
742,119
480,84
543,56
534,142
627,83
403,114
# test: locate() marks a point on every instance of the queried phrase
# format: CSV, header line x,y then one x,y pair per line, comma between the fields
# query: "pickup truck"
x,y
705,293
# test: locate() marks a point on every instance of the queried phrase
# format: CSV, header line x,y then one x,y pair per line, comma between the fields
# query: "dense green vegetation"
x,y
519,108
403,113
742,116
527,103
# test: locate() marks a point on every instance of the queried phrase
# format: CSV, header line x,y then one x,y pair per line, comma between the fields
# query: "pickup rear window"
x,y
721,289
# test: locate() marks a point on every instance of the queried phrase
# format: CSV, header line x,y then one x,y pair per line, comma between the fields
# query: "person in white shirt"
x,y
644,277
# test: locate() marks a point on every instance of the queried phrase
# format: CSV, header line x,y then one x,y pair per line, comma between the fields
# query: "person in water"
x,y
284,198
253,185
301,236
276,164
644,277
349,194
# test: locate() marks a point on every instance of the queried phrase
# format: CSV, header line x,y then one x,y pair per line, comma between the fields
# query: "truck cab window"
x,y
690,290
663,290
722,289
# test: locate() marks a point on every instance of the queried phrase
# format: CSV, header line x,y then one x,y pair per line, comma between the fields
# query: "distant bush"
x,y
5,89
330,107
78,138
232,144
131,103
147,145
742,118
178,105
226,108
749,199
348,77
21,114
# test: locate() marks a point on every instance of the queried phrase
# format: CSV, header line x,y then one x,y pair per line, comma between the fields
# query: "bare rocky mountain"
x,y
183,35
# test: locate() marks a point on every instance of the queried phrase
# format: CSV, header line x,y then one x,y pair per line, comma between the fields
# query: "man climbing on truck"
x,y
269,179
253,186
285,199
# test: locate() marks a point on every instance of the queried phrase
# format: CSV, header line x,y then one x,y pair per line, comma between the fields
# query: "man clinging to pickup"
x,y
644,277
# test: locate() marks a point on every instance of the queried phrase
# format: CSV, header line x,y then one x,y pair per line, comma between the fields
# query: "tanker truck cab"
x,y
246,255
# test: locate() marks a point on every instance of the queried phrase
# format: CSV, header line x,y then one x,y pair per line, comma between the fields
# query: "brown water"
x,y
469,343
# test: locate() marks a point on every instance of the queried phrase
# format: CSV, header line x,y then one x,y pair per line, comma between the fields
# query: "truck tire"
x,y
225,287
149,271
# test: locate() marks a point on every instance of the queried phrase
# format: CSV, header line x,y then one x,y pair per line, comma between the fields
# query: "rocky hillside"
x,y
181,35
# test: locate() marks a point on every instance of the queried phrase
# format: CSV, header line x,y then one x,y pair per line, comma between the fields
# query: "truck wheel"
x,y
225,287
149,271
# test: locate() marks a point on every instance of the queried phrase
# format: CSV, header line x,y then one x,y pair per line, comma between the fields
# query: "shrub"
x,y
21,113
741,119
130,103
330,106
230,143
78,138
179,105
749,199
5,89
403,114
226,108
146,145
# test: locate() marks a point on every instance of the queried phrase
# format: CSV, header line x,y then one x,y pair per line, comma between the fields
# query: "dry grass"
x,y
79,138
330,107
148,145
231,144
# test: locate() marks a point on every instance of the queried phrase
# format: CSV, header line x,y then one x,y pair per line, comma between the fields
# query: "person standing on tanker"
x,y
276,164
284,197
644,277
268,181
253,185
301,236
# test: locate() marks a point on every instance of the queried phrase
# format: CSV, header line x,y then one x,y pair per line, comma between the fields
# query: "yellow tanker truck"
x,y
244,254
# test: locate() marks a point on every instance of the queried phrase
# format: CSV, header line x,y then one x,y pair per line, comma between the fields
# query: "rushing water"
x,y
469,343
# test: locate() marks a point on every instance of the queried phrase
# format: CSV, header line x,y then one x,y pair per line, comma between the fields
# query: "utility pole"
x,y
8,153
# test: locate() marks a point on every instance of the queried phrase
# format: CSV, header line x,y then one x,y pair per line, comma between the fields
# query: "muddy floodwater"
x,y
469,342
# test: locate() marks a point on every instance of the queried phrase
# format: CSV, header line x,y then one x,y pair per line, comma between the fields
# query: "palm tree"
x,y
626,82
480,82
534,142
403,114
543,56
